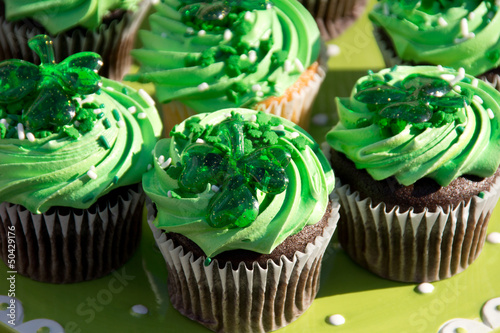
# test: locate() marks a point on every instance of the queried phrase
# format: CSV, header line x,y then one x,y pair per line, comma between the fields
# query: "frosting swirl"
x,y
280,213
58,170
450,33
58,16
460,135
256,50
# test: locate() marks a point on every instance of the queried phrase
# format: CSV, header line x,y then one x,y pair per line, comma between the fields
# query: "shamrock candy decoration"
x,y
239,175
414,100
51,84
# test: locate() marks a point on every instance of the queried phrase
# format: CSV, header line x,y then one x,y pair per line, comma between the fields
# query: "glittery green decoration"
x,y
49,87
417,99
237,169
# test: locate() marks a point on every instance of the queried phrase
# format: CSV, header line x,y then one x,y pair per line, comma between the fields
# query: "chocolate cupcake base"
x,y
65,245
258,298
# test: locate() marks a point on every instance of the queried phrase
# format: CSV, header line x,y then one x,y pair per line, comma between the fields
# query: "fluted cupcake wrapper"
x,y
388,53
66,245
334,16
241,299
112,41
414,247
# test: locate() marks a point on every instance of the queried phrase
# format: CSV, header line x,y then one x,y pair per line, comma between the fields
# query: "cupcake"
x,y
457,34
242,216
73,148
204,57
104,27
417,152
334,16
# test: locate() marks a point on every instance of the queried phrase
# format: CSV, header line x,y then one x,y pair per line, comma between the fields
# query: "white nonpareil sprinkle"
x,y
228,35
150,167
97,111
457,88
259,93
243,57
478,99
440,68
200,141
448,77
252,56
110,88
336,320
20,132
490,113
475,83
332,50
145,96
299,65
202,33
256,87
161,159
30,136
287,66
140,309
472,16
4,122
203,86
91,173
248,16
132,109
460,76
295,135
167,163
493,238
76,123
142,115
169,193
266,35
280,128
215,188
189,30
442,22
227,115
120,123
425,288
89,99
464,27
253,118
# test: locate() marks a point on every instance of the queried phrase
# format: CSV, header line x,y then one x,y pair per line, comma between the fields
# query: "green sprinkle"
x,y
481,195
115,179
104,142
370,72
116,114
207,261
460,129
3,131
388,77
100,115
125,90
106,123
394,68
102,106
88,198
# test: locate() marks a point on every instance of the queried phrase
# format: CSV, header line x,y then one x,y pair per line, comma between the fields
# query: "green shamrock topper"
x,y
417,99
53,85
238,173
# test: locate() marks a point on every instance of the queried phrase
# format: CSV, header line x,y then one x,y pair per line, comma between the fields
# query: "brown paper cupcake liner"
x,y
112,41
334,16
66,245
388,53
240,299
411,247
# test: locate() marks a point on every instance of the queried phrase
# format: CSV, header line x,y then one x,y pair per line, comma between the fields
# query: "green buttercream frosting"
x,y
238,179
58,16
223,54
423,121
451,33
67,137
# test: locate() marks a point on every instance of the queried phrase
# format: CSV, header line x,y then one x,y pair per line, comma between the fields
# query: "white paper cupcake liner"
x,y
241,299
334,16
113,42
67,245
414,247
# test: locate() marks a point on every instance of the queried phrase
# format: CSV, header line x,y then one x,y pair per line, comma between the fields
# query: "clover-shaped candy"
x,y
415,99
238,174
53,85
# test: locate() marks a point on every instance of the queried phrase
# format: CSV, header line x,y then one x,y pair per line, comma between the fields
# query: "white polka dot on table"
x,y
332,50
493,238
320,119
139,309
425,288
336,320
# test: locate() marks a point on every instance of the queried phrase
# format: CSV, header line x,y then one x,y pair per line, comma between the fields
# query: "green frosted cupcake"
x,y
417,152
241,198
204,57
457,34
73,148
106,27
